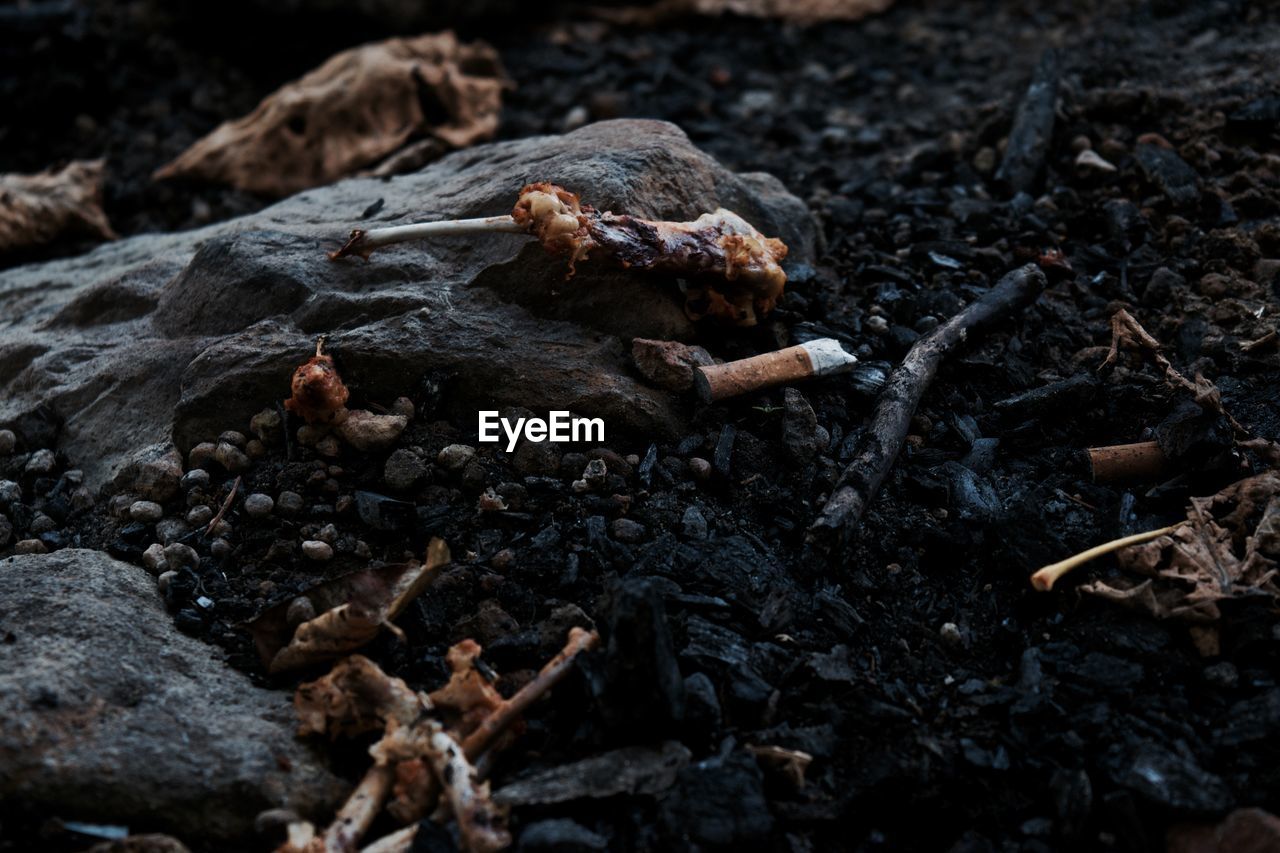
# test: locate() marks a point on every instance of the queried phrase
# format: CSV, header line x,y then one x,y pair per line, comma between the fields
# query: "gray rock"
x,y
8,441
259,505
403,469
158,473
146,511
289,503
668,364
41,462
314,549
454,457
181,336
694,524
196,478
110,714
626,530
631,770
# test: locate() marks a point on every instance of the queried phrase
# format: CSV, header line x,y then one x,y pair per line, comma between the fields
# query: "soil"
x,y
947,706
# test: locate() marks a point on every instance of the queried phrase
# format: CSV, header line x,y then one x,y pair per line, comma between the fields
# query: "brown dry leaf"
x,y
352,609
354,110
800,11
38,209
1128,334
1226,549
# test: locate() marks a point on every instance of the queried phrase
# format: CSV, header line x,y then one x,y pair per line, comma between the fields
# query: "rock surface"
x,y
181,336
108,713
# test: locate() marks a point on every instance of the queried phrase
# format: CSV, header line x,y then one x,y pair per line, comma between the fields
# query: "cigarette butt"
x,y
821,357
1143,461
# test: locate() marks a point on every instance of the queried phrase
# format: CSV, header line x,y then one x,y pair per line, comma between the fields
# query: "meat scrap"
x,y
319,396
38,209
734,270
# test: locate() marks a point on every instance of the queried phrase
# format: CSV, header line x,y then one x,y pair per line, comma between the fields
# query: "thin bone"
x,y
1044,579
363,243
358,812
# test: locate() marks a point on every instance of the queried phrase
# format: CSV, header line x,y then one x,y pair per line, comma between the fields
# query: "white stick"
x,y
364,242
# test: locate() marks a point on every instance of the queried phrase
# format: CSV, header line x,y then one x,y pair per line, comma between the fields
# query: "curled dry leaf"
x,y
352,609
354,110
1128,334
1226,549
801,11
38,209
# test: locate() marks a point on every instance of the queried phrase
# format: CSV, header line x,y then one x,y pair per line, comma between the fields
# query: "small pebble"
x,y
259,505
199,516
171,529
41,462
178,556
196,478
455,456
266,426
328,446
222,528
234,438
403,406
153,559
289,503
490,502
255,449
595,473
300,610
313,549
328,533
877,325
232,458
699,469
166,578
146,511
42,523
308,435
950,634
202,455
220,548
10,493
30,546
1222,674
626,530
403,469
8,441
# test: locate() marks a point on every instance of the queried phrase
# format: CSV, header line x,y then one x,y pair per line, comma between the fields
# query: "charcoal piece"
x,y
634,677
702,714
1252,720
724,451
1261,115
972,497
734,567
383,513
720,803
1175,781
1032,131
727,655
982,455
631,770
1169,173
560,835
1192,436
1072,392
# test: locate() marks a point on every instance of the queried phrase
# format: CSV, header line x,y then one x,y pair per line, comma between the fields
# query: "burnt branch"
x,y
879,445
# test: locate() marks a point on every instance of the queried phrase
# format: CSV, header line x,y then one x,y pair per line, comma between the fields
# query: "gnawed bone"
x,y
733,269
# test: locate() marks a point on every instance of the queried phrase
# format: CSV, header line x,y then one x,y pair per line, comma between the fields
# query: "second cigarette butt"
x,y
1142,461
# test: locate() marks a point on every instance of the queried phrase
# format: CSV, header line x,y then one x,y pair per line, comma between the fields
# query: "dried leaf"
x,y
800,11
352,609
38,209
1226,549
354,110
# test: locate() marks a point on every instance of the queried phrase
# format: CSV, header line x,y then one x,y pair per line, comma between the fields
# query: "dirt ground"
x,y
946,704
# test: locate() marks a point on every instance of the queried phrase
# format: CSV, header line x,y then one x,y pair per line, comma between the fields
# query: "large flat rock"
x,y
182,335
108,713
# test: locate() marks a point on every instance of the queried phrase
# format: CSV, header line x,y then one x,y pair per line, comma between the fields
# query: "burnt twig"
x,y
1032,130
880,444
226,505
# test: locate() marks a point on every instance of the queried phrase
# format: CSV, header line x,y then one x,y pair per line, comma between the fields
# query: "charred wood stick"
x,y
879,445
1032,130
